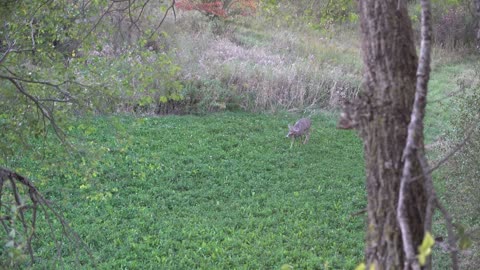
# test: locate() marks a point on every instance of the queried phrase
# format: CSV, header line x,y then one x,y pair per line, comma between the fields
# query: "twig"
x,y
452,152
9,49
38,200
44,110
452,240
172,7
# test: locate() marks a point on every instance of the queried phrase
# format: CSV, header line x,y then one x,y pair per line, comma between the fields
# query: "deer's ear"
x,y
289,126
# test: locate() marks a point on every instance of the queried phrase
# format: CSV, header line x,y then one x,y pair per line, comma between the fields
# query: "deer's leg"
x,y
307,137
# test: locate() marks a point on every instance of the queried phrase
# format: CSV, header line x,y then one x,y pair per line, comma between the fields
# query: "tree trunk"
x,y
477,6
383,115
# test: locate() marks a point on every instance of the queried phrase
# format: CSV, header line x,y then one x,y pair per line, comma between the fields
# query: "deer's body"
x,y
301,128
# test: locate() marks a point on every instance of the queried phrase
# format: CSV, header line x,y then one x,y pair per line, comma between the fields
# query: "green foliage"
x,y
222,191
317,14
38,81
143,78
12,253
58,61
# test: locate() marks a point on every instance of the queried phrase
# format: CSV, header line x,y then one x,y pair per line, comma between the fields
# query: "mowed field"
x,y
222,191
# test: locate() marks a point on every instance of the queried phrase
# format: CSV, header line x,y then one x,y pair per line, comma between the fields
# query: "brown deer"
x,y
301,128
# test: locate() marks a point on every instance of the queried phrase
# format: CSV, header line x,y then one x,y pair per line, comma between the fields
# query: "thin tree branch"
x,y
9,50
172,7
38,200
414,135
447,96
457,148
56,86
452,152
97,22
44,110
32,33
452,240
134,21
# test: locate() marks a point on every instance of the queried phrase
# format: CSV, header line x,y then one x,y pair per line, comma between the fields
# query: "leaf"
x,y
361,267
286,267
465,242
163,99
425,248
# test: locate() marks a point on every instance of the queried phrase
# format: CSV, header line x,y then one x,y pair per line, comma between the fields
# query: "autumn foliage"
x,y
221,9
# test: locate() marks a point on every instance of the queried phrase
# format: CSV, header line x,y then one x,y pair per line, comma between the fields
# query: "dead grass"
x,y
270,70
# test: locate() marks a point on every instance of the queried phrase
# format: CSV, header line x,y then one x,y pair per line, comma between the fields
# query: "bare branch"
x,y
449,95
38,200
134,21
47,113
9,50
433,203
452,152
172,7
32,34
452,240
56,86
97,22
415,133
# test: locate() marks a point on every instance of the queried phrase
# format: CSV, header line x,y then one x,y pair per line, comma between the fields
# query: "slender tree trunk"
x,y
383,115
477,6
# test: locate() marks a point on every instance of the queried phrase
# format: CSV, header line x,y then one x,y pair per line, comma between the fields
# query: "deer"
x,y
301,128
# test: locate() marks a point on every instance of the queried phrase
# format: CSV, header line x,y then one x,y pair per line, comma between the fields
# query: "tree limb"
x,y
172,7
47,113
38,200
414,135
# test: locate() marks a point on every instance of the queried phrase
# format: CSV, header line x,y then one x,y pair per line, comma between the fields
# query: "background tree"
x,y
477,7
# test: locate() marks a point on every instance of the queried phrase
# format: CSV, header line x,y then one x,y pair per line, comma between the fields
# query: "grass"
x,y
223,191
269,70
444,89
451,78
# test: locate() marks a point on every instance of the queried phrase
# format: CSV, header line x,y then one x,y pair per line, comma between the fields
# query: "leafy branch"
x,y
37,203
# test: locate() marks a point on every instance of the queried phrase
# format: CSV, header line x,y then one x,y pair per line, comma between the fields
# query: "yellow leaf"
x,y
361,267
425,248
422,259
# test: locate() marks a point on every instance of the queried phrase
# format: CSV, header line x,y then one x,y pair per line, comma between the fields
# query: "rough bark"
x,y
383,116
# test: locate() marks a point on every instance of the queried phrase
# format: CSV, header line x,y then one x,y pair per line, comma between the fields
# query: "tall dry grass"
x,y
265,69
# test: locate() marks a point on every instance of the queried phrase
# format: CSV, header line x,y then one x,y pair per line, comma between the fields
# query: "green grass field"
x,y
222,191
